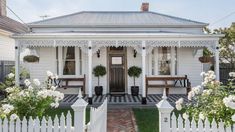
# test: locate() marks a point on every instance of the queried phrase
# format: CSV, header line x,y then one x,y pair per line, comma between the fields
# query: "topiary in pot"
x,y
134,72
98,72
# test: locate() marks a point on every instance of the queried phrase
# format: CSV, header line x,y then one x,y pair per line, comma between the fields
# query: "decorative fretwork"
x,y
136,44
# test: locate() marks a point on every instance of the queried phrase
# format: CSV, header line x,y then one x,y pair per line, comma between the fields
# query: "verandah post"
x,y
165,110
79,108
89,72
17,63
144,101
217,70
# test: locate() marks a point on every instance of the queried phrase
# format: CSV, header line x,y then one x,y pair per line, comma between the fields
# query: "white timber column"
x,y
144,101
217,71
17,63
90,72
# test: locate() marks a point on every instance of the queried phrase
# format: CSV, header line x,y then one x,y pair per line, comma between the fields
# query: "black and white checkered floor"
x,y
127,99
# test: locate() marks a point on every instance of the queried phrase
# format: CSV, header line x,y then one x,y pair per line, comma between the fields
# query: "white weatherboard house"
x,y
162,45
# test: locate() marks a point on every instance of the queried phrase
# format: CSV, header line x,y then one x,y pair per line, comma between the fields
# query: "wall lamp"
x,y
98,53
135,53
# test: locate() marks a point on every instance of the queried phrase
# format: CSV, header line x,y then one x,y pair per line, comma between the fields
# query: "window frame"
x,y
173,65
77,60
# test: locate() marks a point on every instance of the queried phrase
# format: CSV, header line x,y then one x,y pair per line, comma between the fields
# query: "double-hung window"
x,y
164,61
68,61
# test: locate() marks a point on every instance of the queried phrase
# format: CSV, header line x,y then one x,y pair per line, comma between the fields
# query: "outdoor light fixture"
x,y
135,52
98,53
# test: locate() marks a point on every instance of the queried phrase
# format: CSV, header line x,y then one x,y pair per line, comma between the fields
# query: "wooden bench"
x,y
184,83
64,83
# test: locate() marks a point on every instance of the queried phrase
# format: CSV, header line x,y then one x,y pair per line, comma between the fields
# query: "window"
x,y
164,61
69,63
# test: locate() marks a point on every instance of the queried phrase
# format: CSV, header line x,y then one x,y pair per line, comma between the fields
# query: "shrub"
x,y
99,71
134,72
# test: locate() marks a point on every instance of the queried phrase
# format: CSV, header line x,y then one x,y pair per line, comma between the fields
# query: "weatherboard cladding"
x,y
116,19
11,25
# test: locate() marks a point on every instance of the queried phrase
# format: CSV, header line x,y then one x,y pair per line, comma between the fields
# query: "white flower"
x,y
14,117
229,101
56,76
178,107
49,74
36,82
53,87
54,105
207,92
233,117
7,108
197,89
185,116
202,74
201,116
11,75
232,74
191,94
27,82
30,88
179,101
10,89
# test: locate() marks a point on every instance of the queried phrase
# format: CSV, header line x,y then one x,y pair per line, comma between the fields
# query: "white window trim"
x,y
77,65
172,62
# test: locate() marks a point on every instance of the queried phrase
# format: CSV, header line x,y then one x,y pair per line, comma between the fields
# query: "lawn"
x,y
58,112
146,119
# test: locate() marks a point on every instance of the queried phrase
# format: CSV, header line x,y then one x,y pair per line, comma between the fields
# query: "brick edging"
x,y
133,120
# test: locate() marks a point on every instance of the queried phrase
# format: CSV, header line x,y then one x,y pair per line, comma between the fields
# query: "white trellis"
x,y
98,121
168,122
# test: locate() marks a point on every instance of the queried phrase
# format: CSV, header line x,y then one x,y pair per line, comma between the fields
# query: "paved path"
x,y
121,120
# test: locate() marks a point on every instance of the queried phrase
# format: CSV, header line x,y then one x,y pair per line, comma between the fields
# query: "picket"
x,y
177,124
18,125
98,122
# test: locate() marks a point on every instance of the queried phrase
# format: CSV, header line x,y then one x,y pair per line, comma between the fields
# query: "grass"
x,y
53,112
147,119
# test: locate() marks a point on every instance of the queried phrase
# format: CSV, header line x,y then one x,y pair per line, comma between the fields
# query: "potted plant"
x,y
134,72
98,72
206,58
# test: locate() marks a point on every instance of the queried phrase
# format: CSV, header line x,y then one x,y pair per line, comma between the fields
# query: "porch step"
x,y
152,99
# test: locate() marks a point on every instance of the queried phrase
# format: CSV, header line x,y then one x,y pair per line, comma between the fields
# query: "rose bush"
x,y
210,100
31,101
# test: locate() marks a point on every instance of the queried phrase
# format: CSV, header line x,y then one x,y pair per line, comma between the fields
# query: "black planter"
x,y
98,90
134,90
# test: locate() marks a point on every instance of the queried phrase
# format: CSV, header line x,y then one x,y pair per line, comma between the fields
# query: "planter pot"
x,y
31,58
98,90
134,90
205,59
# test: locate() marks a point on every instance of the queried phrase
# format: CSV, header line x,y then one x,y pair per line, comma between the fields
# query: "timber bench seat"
x,y
168,82
64,83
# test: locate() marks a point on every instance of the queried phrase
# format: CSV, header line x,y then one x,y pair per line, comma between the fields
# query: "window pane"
x,y
164,61
69,65
116,60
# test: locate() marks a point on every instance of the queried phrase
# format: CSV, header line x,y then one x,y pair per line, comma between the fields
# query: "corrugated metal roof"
x,y
97,18
11,25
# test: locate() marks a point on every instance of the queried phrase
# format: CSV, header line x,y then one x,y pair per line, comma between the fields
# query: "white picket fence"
x,y
98,121
181,125
168,122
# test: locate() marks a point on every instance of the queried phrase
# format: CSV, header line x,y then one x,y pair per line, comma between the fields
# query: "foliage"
x,y
32,101
10,78
99,71
227,43
210,100
134,72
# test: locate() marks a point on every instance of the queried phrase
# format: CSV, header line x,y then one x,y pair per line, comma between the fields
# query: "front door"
x,y
117,73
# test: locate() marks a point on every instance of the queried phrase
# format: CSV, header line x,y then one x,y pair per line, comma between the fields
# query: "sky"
x,y
218,13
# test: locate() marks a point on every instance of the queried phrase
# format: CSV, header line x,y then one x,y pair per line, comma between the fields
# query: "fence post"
x,y
165,110
79,108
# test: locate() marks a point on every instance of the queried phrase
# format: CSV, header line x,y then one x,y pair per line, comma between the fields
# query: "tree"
x,y
227,44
